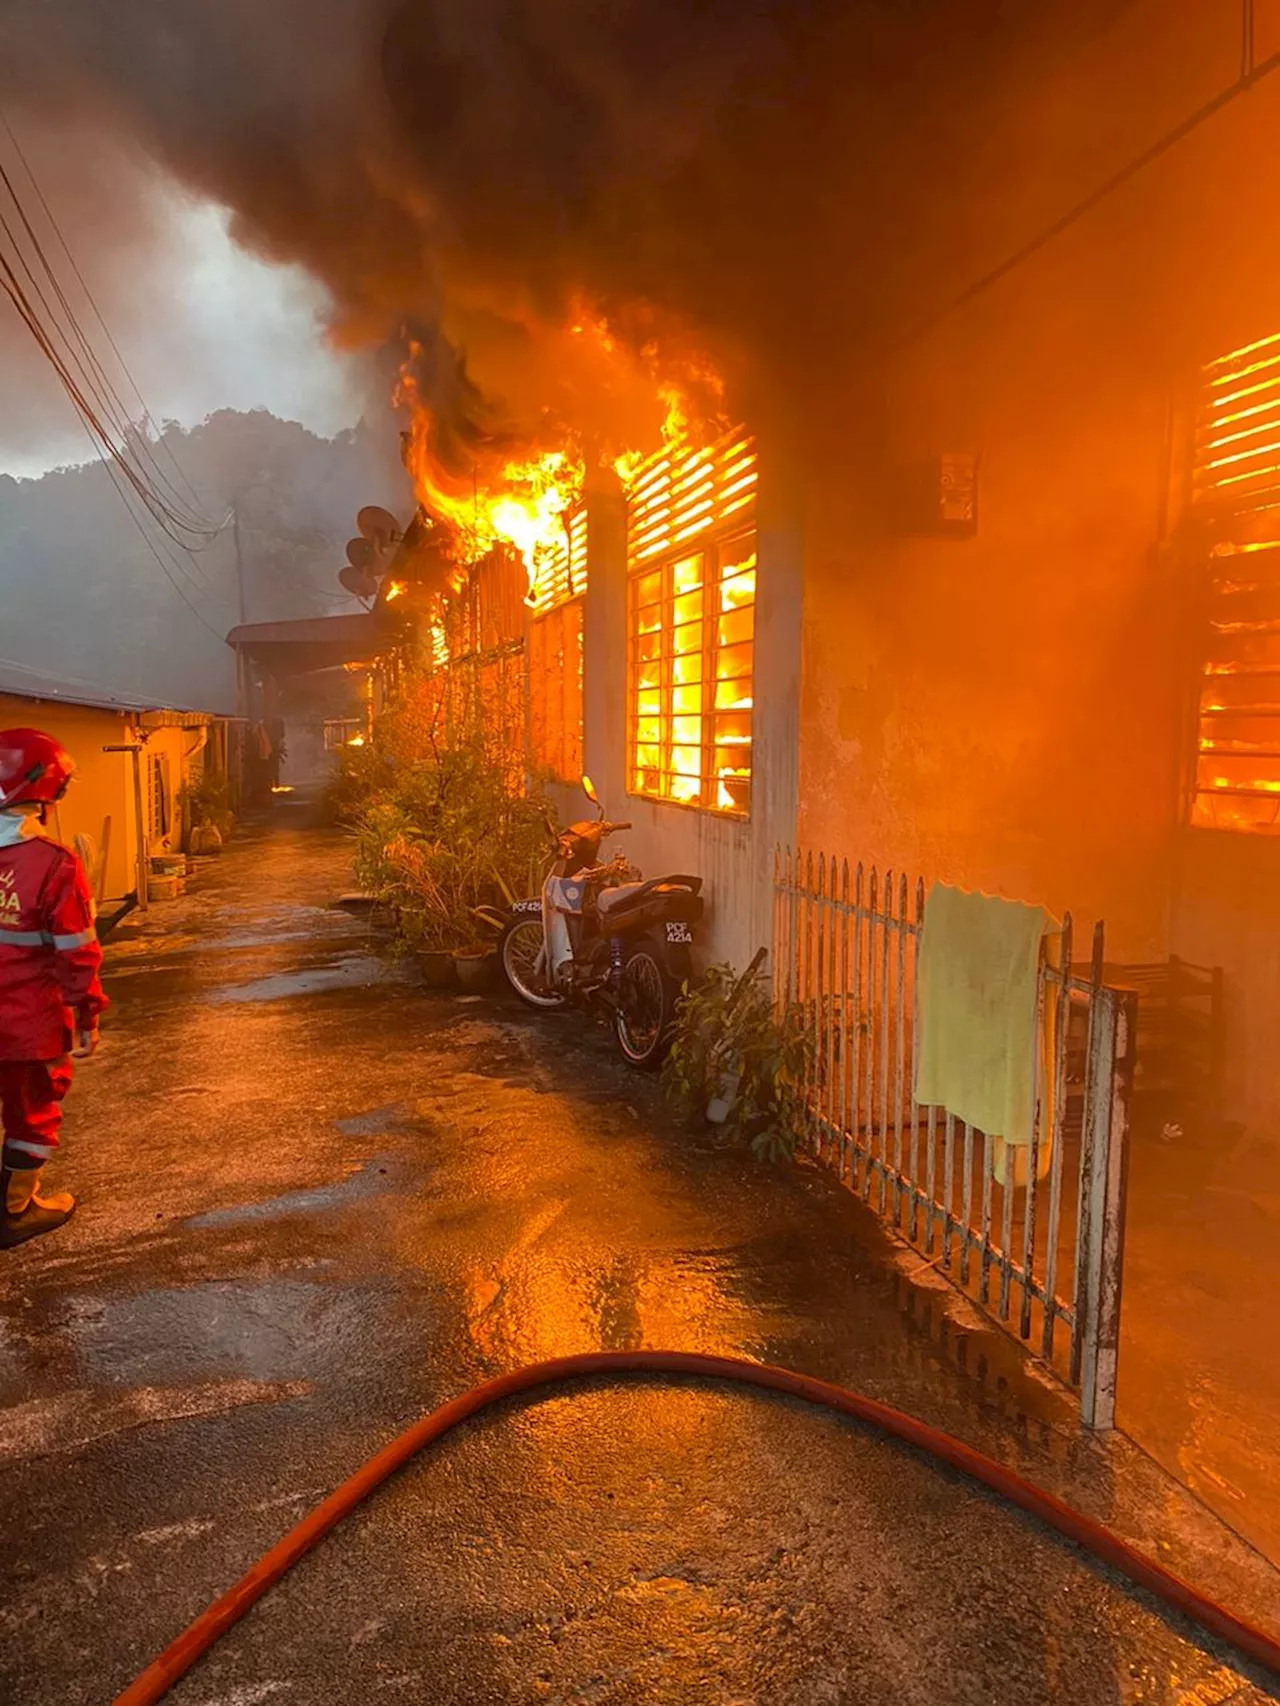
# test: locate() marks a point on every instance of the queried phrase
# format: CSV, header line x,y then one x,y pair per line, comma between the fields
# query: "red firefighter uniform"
x,y
49,990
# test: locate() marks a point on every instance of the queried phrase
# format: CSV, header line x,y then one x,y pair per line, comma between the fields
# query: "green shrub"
x,y
445,836
207,799
732,1042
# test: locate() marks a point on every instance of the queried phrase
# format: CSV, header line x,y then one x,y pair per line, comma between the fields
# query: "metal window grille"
x,y
691,623
556,691
476,636
1043,1259
1236,501
340,731
158,796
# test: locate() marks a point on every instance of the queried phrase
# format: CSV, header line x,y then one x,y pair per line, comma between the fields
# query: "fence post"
x,y
1105,1161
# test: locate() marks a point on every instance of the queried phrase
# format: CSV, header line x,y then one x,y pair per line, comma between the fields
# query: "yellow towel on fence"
x,y
979,1038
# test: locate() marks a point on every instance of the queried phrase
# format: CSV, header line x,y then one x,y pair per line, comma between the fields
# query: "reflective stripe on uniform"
x,y
39,939
65,944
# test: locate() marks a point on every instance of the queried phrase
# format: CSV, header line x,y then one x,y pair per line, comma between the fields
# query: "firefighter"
x,y
50,996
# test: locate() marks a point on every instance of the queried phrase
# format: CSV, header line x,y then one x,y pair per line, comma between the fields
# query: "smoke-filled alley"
x,y
317,1201
638,710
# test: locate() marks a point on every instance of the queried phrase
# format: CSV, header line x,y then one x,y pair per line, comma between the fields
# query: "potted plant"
x,y
475,967
444,840
207,803
740,1060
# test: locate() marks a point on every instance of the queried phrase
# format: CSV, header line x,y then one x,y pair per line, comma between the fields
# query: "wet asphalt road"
x,y
318,1201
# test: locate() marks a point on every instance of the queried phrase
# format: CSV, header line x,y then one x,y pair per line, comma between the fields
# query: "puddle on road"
x,y
373,1177
374,1123
264,1331
358,972
69,1421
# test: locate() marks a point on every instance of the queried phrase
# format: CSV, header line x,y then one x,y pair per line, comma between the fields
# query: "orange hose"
x,y
177,1659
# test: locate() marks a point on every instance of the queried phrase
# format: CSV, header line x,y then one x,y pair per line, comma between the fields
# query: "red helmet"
x,y
34,769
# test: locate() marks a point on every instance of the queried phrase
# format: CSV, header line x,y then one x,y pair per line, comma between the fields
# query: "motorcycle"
x,y
601,938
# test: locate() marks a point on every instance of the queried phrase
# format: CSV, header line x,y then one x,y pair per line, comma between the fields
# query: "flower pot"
x,y
437,969
206,838
162,888
475,968
721,1104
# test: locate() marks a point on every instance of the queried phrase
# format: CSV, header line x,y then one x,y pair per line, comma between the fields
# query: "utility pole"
x,y
244,687
235,518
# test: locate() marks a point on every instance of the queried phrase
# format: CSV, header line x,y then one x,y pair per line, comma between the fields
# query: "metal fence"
x,y
1035,1239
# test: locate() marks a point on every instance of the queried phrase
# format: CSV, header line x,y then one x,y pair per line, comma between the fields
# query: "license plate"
x,y
679,933
522,906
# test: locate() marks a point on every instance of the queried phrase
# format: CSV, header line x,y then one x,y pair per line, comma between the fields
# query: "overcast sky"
x,y
202,324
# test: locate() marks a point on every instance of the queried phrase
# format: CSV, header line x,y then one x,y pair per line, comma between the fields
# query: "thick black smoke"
x,y
744,177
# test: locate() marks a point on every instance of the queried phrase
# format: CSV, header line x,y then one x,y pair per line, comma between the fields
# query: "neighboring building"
x,y
134,764
308,687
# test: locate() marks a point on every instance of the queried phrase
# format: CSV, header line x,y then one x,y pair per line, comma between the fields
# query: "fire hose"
x,y
1092,1537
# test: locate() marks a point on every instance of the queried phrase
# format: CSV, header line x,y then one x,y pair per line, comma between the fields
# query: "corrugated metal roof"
x,y
22,683
362,629
312,643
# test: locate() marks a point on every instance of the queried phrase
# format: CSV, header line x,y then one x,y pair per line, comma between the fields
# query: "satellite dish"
x,y
356,581
361,554
378,526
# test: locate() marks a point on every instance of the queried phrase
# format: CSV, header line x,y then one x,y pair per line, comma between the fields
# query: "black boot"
x,y
24,1213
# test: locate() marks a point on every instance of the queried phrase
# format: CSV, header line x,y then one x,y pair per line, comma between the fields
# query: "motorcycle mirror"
x,y
589,789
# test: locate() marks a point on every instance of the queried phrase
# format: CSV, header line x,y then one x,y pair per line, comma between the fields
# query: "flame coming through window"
x,y
691,619
562,572
1236,494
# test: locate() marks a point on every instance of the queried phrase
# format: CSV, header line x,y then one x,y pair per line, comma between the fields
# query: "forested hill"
x,y
83,598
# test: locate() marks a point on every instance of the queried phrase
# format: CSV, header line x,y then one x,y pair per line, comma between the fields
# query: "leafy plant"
x,y
441,828
208,800
733,1044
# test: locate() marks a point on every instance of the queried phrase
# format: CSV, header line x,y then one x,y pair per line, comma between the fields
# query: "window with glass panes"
x,y
692,595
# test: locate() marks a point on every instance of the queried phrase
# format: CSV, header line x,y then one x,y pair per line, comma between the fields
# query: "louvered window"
x,y
562,574
1236,498
556,656
691,613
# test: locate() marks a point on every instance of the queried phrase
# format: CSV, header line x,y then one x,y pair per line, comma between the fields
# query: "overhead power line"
x,y
93,373
125,452
147,416
186,515
99,436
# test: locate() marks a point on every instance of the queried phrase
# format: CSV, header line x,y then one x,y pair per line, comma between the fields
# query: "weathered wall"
x,y
1008,712
102,787
180,745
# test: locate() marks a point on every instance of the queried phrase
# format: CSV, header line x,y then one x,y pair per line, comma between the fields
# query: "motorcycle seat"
x,y
615,897
626,894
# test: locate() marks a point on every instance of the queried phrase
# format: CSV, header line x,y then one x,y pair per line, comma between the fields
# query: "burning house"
x,y
985,601
841,427
999,613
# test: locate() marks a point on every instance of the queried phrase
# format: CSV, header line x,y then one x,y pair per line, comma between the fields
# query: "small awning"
x,y
315,642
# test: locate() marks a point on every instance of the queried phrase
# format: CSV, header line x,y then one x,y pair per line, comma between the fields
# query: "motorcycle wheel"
x,y
646,1007
522,943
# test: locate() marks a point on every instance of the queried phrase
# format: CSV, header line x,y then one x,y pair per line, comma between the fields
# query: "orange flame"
x,y
523,504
